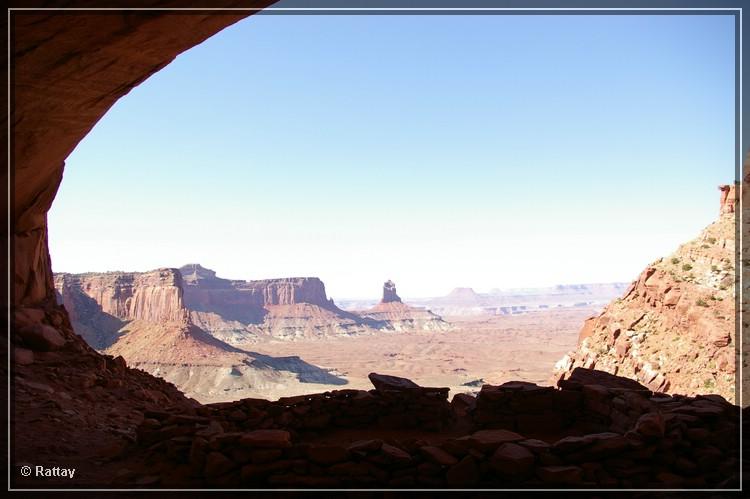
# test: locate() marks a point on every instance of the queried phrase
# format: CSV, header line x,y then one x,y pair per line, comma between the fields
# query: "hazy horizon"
x,y
436,151
376,294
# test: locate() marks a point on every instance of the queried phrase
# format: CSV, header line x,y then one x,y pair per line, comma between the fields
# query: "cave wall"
x,y
67,69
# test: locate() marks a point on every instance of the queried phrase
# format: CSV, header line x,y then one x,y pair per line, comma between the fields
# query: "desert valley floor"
x,y
492,349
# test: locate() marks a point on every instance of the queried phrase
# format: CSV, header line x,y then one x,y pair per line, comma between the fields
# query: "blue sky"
x,y
437,151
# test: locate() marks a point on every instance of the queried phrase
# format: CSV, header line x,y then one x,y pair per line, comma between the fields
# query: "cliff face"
x,y
395,315
154,296
389,293
674,328
234,311
100,304
205,291
242,312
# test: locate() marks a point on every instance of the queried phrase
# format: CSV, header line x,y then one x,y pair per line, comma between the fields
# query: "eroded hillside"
x,y
674,328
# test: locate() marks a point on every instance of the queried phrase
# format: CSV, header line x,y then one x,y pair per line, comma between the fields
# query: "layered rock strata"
x,y
398,316
674,328
242,312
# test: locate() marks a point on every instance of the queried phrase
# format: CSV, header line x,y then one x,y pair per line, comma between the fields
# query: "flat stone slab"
x,y
383,382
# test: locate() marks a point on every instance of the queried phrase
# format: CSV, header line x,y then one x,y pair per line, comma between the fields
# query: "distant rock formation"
x,y
389,293
465,296
99,303
398,316
149,319
241,312
466,301
674,328
194,329
234,311
152,296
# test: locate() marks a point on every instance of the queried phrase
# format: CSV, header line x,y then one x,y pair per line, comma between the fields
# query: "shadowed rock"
x,y
389,293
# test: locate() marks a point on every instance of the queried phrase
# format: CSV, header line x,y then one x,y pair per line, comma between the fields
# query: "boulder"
x,y
512,459
465,472
569,475
42,337
437,456
267,439
383,382
489,440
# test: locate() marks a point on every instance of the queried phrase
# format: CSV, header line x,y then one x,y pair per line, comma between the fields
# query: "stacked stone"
x,y
669,442
527,407
425,410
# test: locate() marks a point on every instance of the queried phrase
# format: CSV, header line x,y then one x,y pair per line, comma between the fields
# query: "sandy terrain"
x,y
494,349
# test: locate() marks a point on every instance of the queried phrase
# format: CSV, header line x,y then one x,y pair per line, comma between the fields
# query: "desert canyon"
x,y
282,379
221,340
641,396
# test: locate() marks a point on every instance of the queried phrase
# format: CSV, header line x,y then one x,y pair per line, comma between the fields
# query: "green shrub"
x,y
701,302
675,261
686,267
714,268
711,240
709,384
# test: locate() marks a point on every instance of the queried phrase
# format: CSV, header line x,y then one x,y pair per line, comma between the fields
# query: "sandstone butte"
x,y
237,312
402,317
197,330
674,328
120,426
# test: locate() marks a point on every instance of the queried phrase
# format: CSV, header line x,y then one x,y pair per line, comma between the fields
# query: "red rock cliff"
x,y
389,293
204,289
154,296
674,328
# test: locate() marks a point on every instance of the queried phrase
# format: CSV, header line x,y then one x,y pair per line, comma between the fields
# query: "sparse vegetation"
x,y
704,246
714,268
701,302
687,267
709,384
675,261
711,240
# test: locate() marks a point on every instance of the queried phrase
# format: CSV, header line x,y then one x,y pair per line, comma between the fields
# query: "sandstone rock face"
x,y
247,302
69,68
143,318
389,293
398,316
242,312
234,311
674,328
395,315
195,329
99,303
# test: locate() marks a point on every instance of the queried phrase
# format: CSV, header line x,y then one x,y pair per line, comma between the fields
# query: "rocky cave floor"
x,y
123,428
